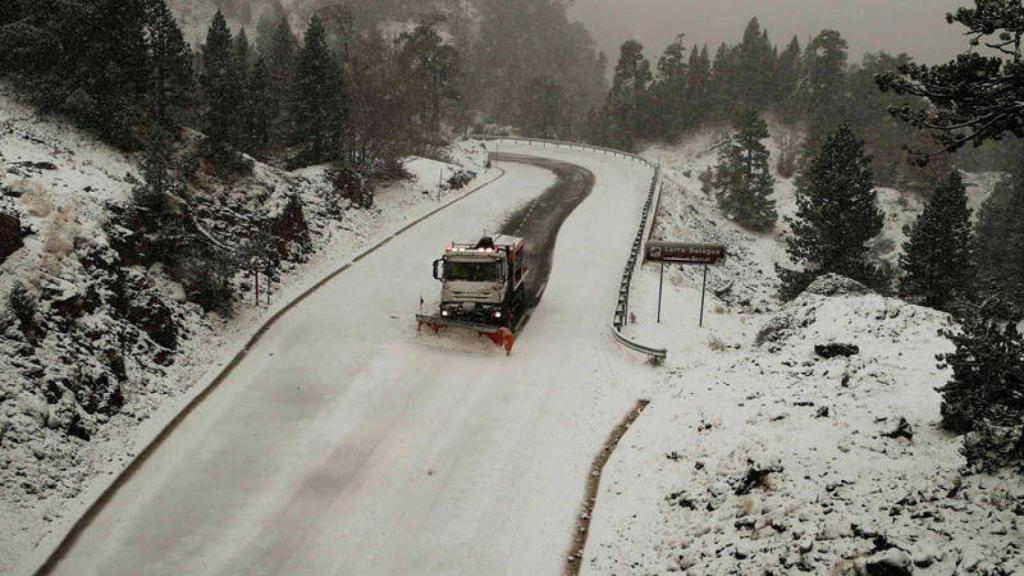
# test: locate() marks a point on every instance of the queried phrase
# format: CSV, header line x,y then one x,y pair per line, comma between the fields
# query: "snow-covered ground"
x,y
347,443
60,181
758,455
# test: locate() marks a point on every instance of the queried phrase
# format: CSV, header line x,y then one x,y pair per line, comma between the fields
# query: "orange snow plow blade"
x,y
500,335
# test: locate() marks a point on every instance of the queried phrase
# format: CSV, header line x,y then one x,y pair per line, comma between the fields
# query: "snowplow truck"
x,y
483,288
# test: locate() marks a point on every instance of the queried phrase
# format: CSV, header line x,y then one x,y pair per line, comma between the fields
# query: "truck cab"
x,y
483,283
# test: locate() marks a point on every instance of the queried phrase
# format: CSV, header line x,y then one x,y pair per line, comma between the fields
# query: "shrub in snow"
x,y
208,278
938,257
985,396
837,215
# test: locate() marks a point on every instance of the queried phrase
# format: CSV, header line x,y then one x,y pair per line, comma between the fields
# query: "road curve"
x,y
345,443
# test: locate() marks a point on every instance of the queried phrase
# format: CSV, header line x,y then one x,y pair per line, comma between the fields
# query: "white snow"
x,y
748,391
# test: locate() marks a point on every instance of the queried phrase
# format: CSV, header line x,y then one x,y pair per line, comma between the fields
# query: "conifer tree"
x,y
281,66
170,62
937,258
543,111
222,89
743,178
243,57
670,94
1000,242
837,216
984,398
698,86
321,101
824,85
627,113
754,66
258,99
788,72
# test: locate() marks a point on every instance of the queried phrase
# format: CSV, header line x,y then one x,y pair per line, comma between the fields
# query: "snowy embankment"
x,y
797,437
75,405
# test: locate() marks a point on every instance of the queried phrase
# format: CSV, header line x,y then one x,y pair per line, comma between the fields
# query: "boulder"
x,y
11,234
291,230
892,562
836,285
836,349
155,318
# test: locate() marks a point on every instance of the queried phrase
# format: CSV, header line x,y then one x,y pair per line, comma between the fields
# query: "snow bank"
x,y
773,458
792,437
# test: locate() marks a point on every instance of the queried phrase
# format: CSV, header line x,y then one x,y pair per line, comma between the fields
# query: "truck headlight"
x,y
497,314
444,313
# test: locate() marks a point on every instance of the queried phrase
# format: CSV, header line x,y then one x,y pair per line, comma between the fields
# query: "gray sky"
x,y
917,27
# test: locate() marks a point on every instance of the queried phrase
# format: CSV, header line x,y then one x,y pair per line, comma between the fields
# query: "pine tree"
x,y
976,97
433,68
1000,242
281,66
743,178
111,67
321,101
698,86
837,216
170,61
627,113
985,396
824,85
543,112
937,258
222,89
257,120
243,57
670,94
788,71
754,66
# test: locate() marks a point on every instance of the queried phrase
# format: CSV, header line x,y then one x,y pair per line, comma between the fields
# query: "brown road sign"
x,y
686,253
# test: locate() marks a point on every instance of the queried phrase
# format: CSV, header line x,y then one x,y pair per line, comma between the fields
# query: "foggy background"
x,y
917,27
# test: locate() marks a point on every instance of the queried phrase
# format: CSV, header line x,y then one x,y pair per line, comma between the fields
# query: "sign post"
x,y
703,291
661,283
686,254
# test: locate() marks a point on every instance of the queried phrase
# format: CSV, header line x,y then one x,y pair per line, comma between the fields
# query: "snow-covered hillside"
x,y
686,213
116,345
796,437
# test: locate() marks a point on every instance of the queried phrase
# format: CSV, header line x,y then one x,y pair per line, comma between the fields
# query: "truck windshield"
x,y
471,271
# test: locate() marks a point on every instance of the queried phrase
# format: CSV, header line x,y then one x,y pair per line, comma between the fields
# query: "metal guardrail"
x,y
621,317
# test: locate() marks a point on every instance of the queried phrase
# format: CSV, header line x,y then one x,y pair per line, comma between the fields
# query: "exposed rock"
x,y
836,285
836,349
11,234
291,231
155,318
902,430
892,562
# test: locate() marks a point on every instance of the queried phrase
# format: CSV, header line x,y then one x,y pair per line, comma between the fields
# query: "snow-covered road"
x,y
346,443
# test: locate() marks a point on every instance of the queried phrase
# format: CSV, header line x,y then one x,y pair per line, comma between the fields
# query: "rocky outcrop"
x,y
11,235
836,285
291,232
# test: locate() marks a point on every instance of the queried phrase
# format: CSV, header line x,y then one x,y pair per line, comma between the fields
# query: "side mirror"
x,y
439,269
